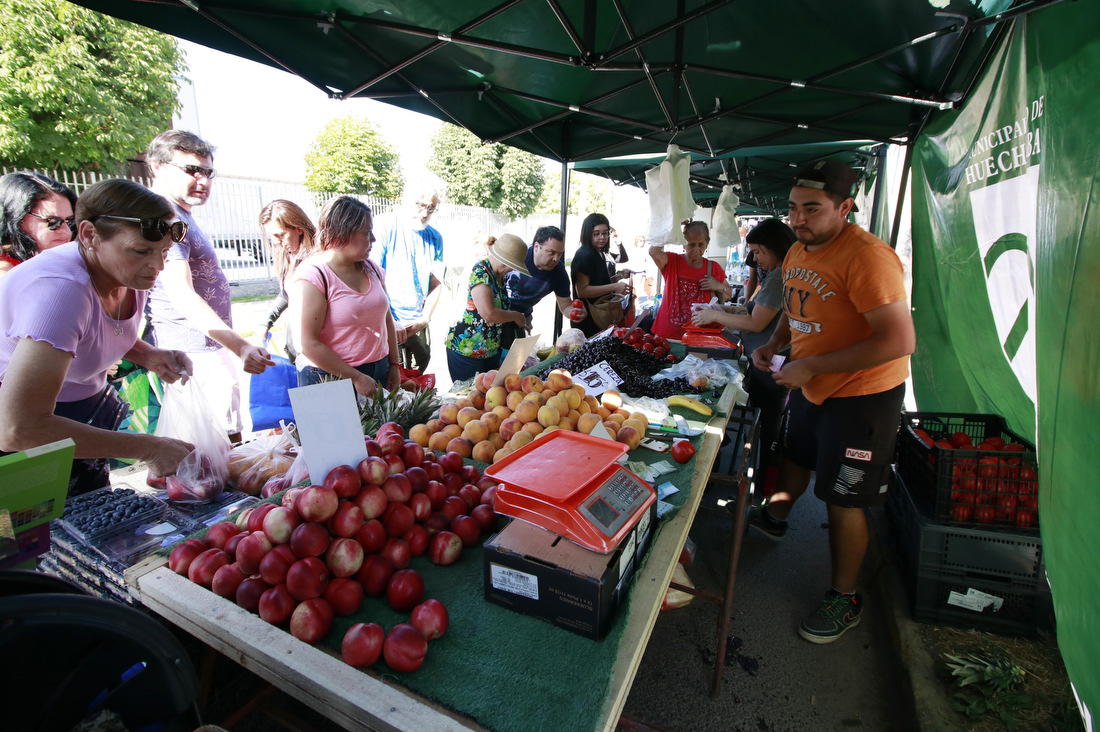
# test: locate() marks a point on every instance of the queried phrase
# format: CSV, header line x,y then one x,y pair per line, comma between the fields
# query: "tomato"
x,y
648,338
670,358
649,348
944,445
1027,518
962,513
996,442
923,437
660,351
984,514
1006,507
682,451
959,439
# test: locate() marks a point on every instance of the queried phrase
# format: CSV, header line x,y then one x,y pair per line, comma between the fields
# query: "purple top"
x,y
170,329
50,298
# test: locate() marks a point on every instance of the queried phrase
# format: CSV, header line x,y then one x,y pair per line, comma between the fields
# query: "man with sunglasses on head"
x,y
546,265
190,307
407,249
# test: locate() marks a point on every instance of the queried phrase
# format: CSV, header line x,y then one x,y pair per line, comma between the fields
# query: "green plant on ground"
x,y
986,685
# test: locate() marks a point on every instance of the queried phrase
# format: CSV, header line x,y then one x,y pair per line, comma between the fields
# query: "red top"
x,y
681,290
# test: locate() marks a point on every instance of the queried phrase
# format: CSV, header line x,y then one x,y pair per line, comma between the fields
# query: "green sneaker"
x,y
832,619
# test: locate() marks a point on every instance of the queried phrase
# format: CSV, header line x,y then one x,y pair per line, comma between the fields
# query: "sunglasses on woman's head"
x,y
153,229
53,223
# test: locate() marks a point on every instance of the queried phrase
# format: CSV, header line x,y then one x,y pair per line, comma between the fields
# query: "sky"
x,y
262,120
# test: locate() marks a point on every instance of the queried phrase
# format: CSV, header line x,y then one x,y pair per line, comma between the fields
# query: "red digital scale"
x,y
709,336
569,483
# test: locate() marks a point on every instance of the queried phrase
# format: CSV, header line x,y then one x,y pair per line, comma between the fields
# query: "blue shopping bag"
x,y
268,397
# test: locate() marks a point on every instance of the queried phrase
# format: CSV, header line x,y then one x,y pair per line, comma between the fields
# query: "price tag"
x,y
597,379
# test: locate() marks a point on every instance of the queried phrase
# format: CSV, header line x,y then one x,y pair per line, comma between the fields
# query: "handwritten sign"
x,y
598,379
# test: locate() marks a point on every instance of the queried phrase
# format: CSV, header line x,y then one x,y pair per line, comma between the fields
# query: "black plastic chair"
x,y
67,656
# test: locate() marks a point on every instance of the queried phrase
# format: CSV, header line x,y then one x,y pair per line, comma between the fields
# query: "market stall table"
x,y
486,646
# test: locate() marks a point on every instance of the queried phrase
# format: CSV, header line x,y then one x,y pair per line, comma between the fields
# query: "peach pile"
x,y
493,421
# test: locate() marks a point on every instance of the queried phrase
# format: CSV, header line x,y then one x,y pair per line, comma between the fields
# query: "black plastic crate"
x,y
967,485
937,560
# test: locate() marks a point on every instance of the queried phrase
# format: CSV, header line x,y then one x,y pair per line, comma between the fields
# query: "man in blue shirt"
x,y
544,262
406,247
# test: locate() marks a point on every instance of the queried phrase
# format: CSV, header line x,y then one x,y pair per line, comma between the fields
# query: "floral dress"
x,y
472,336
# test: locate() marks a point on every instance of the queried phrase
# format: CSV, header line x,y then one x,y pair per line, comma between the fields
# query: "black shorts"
x,y
848,441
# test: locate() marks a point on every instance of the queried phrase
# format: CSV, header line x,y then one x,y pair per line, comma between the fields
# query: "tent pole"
x,y
901,192
880,189
558,320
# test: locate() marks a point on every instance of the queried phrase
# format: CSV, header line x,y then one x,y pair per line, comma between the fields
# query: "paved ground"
x,y
877,677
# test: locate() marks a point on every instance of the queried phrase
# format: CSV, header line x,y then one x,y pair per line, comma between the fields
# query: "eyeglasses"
x,y
598,234
426,207
53,223
153,229
196,171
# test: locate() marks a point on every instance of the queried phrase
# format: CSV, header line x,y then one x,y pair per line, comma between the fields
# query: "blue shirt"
x,y
526,291
406,255
168,326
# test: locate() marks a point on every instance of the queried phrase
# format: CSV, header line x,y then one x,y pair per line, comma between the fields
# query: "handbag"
x,y
268,393
606,310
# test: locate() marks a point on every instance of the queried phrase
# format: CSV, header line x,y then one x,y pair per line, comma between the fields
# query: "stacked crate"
x,y
981,565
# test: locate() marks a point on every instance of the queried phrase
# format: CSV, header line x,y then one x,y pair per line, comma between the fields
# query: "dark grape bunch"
x,y
99,511
636,368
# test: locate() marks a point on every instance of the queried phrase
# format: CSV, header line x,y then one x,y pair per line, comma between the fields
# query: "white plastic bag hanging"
x,y
670,200
724,231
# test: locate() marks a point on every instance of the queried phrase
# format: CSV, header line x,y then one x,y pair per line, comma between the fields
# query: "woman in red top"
x,y
689,278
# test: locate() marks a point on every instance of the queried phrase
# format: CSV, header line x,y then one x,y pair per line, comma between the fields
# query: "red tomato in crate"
x,y
959,439
962,513
984,514
1027,518
923,437
996,442
1006,508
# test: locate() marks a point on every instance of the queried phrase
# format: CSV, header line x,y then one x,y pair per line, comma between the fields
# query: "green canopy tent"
x,y
579,80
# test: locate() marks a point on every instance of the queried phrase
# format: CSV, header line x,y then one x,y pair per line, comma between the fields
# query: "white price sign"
x,y
597,379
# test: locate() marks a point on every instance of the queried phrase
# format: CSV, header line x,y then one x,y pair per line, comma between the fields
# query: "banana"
x,y
693,404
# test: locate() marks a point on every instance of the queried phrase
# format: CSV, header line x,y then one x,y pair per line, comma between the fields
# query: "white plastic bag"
x,y
569,339
709,374
724,231
185,415
670,201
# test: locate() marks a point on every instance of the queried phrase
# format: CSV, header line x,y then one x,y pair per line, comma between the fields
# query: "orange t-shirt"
x,y
825,294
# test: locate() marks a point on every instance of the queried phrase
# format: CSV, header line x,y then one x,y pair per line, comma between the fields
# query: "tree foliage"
x,y
350,156
587,193
498,177
81,90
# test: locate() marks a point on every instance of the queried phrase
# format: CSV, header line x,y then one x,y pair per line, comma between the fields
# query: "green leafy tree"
x,y
587,193
351,156
498,177
80,90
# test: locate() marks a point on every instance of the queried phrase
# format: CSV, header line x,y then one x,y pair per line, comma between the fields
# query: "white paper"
x,y
974,600
327,416
600,431
597,379
517,356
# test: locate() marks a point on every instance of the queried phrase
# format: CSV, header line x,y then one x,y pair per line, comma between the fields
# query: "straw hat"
x,y
510,251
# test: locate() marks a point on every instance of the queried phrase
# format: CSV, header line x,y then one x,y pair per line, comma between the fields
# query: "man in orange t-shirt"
x,y
847,320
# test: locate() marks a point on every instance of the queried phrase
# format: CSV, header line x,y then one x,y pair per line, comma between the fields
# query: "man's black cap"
x,y
831,176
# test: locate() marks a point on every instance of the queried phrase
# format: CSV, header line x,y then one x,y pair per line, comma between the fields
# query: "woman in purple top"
x,y
69,314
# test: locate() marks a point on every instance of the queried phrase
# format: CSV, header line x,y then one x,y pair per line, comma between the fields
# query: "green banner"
x,y
1006,293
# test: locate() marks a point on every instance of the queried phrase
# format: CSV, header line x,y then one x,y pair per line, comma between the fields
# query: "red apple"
x,y
437,522
451,462
203,567
256,518
226,581
391,443
417,539
375,574
398,519
344,480
371,536
279,524
436,493
421,506
311,621
249,592
306,578
373,449
309,540
291,496
230,547
275,564
251,550
344,557
489,495
404,648
374,470
436,471
397,551
317,503
418,478
467,528
347,519
470,494
470,474
431,619
362,645
397,488
406,590
276,605
344,595
454,506
486,482
453,483
391,427
446,548
181,557
485,516
371,501
219,533
412,453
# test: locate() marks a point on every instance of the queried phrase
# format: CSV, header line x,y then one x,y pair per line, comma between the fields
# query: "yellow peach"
x,y
526,411
483,452
438,441
460,445
587,422
514,398
467,414
548,415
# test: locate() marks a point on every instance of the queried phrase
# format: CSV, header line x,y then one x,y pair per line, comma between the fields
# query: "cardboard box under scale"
x,y
536,572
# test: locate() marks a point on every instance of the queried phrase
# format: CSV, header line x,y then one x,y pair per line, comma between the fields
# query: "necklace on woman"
x,y
102,300
118,315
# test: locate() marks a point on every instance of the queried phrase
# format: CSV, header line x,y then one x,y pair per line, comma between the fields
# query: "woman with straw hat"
x,y
474,342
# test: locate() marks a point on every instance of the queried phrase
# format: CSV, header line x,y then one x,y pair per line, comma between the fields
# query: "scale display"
x,y
569,483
